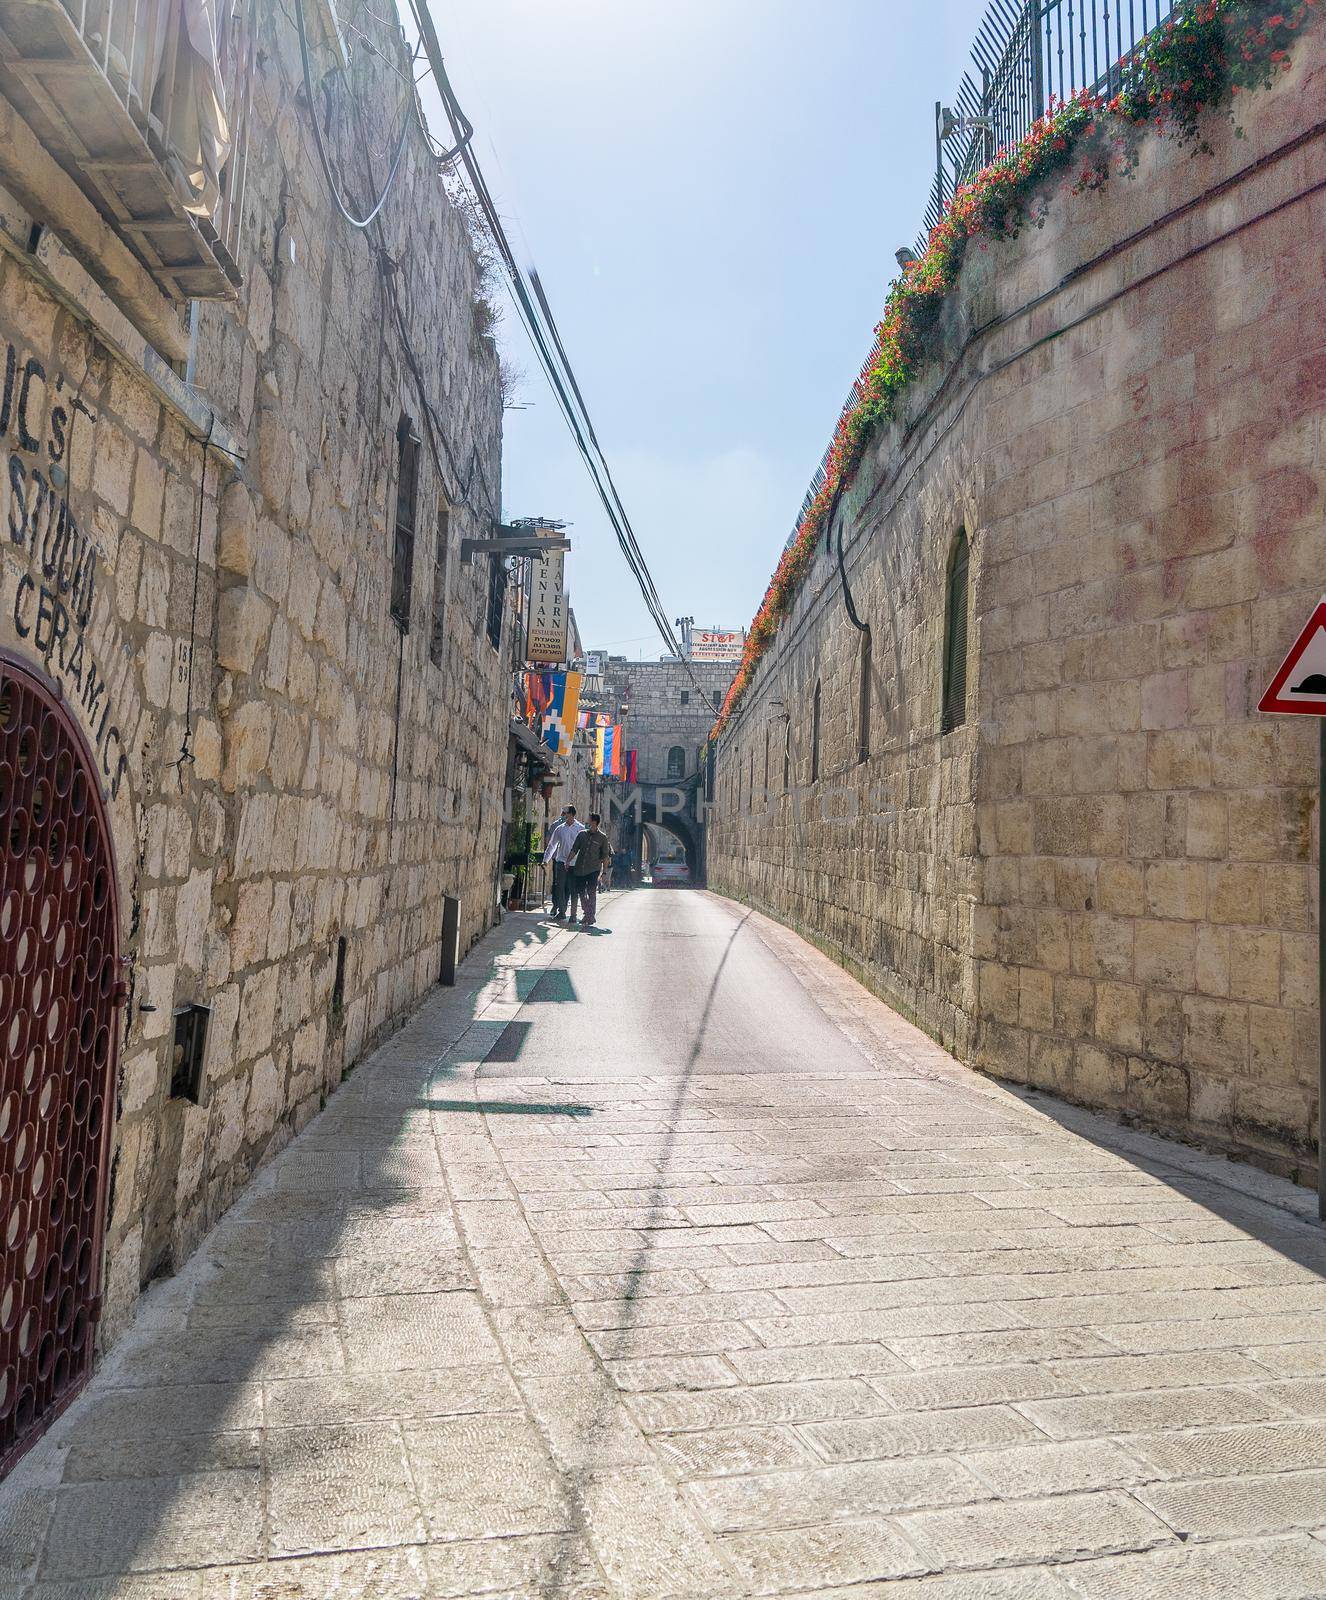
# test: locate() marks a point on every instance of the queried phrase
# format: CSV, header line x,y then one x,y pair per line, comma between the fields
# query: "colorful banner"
x,y
717,644
559,716
609,751
631,766
538,697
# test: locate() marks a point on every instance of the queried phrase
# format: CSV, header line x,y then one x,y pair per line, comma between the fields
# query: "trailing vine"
x,y
1201,60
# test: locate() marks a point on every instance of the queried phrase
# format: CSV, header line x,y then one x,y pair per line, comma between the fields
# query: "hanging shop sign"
x,y
548,610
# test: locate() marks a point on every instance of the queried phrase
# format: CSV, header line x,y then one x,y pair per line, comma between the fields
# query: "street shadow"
x,y
560,1576
511,1108
509,1043
550,984
354,1210
1240,1197
522,926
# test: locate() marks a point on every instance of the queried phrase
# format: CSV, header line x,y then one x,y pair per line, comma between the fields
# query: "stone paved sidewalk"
x,y
859,1325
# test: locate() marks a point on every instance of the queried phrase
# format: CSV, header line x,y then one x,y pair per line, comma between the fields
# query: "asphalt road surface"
x,y
664,1261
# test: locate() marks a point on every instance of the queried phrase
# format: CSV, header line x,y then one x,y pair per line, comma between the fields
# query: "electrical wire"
x,y
323,159
545,338
535,312
457,491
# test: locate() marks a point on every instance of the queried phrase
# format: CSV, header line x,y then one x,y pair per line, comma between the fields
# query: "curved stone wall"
x,y
1102,882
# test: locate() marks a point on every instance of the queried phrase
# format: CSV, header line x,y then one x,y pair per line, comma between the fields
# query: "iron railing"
x,y
1028,55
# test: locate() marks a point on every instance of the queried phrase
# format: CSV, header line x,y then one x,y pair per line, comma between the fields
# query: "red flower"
x,y
1179,70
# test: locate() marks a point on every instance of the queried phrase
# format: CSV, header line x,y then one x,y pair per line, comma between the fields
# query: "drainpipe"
x,y
852,615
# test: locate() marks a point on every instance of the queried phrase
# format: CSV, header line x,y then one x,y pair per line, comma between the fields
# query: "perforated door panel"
x,y
59,983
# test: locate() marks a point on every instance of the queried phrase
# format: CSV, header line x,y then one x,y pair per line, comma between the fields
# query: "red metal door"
x,y
59,981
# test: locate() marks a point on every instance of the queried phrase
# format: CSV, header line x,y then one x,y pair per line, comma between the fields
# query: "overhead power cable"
x,y
324,160
545,338
531,302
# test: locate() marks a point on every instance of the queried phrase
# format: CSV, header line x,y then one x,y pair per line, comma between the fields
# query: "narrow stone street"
x,y
667,1262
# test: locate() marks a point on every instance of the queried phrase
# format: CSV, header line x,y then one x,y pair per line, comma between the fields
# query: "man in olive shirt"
x,y
561,841
589,855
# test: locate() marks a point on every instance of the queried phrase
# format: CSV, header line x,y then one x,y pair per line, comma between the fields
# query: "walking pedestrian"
x,y
589,855
561,842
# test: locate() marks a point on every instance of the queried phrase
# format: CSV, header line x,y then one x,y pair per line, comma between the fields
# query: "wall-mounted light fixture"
x,y
956,125
189,1052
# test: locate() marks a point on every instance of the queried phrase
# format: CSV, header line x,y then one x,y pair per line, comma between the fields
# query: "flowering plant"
x,y
1201,59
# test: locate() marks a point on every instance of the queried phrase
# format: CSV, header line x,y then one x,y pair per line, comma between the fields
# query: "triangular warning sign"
x,y
1299,687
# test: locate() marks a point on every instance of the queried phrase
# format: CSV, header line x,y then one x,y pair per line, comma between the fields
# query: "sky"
x,y
712,192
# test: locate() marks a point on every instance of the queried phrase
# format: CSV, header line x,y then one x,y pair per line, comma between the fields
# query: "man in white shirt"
x,y
561,842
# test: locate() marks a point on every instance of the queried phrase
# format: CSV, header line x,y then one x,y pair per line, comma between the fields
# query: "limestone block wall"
x,y
340,776
659,719
1104,881
874,859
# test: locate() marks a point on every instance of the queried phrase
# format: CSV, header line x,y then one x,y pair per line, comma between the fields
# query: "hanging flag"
x,y
631,766
599,735
559,716
538,697
583,721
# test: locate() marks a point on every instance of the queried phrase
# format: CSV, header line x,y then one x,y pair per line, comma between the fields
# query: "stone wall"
x,y
340,776
667,709
1102,882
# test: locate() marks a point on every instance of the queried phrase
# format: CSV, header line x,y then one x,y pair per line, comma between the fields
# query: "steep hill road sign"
x,y
1299,686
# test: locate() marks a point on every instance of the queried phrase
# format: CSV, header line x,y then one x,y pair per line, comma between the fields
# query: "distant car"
x,y
671,875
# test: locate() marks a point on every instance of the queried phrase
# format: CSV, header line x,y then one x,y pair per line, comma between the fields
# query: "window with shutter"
x,y
496,599
955,640
864,705
815,737
407,495
437,644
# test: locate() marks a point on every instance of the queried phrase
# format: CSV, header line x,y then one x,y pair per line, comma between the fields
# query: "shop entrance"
x,y
59,993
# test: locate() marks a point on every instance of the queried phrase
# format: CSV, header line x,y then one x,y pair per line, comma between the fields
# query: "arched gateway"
x,y
59,992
